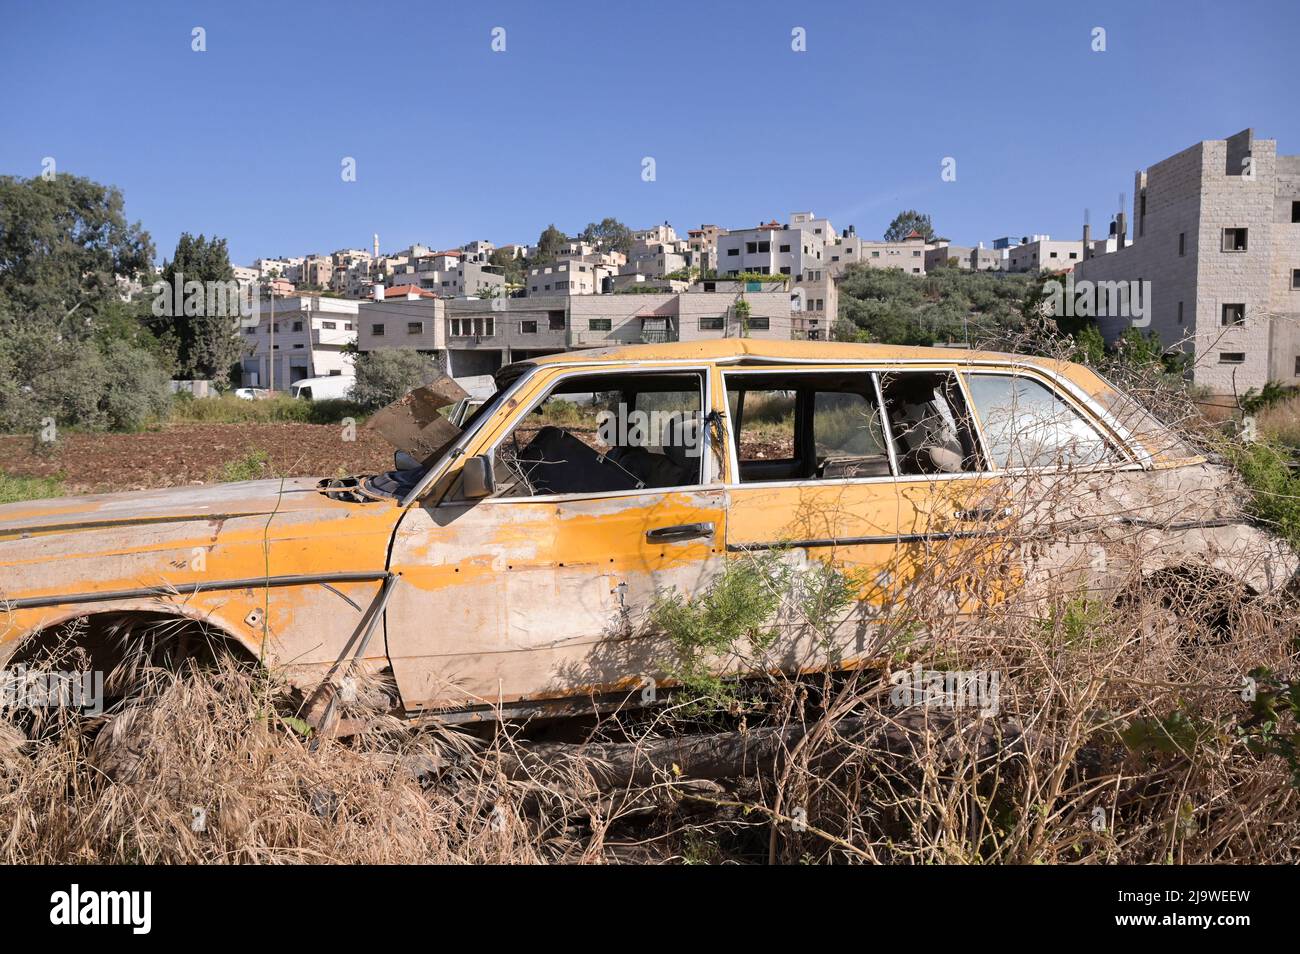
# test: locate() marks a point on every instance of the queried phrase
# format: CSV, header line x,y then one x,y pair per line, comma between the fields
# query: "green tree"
x,y
64,242
71,349
197,307
907,222
549,245
609,235
384,376
511,266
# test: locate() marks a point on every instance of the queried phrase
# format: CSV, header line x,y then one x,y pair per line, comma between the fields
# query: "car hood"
x,y
168,505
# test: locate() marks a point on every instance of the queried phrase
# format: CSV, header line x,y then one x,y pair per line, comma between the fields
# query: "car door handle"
x,y
983,513
685,531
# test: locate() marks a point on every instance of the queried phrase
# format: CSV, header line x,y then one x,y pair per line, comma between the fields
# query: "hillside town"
x,y
1214,230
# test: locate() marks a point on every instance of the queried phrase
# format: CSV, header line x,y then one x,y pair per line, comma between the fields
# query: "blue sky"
x,y
454,142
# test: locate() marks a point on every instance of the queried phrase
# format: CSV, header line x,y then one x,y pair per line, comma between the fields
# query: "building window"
x,y
1297,366
528,327
733,251
875,255
1051,255
1234,240
751,248
415,327
377,330
785,269
711,324
1074,255
784,248
1295,278
1182,243
1180,312
555,320
1232,357
765,246
600,324
1234,314
327,325
1295,211
759,324
478,327
297,326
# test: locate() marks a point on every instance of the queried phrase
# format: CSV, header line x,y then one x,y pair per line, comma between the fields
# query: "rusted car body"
x,y
483,598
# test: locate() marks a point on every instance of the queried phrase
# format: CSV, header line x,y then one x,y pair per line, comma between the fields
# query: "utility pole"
x,y
270,348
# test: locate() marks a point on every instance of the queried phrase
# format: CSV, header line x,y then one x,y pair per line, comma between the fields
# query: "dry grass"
x,y
1281,422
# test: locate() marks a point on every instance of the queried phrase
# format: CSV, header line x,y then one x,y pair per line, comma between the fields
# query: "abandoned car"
x,y
506,565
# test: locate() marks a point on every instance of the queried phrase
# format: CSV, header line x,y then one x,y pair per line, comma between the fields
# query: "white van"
x,y
320,389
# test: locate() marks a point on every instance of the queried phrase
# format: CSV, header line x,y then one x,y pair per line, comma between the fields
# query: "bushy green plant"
x,y
894,307
280,409
80,383
14,489
251,466
1274,489
384,376
733,616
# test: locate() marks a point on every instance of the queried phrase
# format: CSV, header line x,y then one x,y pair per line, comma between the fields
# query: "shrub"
x,y
112,385
229,409
384,376
1274,489
14,489
252,466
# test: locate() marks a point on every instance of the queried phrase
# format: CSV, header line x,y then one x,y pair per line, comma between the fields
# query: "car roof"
x,y
760,349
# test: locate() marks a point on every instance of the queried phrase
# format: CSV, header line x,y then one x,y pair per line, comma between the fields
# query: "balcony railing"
x,y
658,337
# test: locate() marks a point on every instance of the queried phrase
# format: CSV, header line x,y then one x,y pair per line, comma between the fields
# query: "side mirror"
x,y
478,480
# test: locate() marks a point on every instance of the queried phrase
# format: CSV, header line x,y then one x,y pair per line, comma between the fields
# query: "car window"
x,y
801,425
766,423
606,433
929,423
1027,424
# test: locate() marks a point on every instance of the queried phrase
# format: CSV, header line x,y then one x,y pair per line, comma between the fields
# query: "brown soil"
x,y
178,454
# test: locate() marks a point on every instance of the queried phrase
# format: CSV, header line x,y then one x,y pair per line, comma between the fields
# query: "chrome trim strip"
x,y
189,589
969,534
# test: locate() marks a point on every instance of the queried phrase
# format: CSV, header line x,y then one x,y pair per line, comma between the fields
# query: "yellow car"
x,y
508,570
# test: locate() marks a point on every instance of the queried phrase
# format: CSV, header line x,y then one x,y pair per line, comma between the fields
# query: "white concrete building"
x,y
310,335
568,276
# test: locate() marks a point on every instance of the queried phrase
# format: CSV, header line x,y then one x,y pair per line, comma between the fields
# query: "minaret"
x,y
376,245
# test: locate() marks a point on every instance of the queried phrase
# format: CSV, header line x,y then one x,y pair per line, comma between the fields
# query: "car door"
x,y
842,480
541,596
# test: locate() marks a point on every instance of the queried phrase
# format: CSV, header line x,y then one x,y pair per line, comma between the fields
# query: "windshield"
x,y
1157,438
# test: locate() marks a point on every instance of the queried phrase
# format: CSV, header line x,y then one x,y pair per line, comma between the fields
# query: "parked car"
x,y
508,572
252,394
323,388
